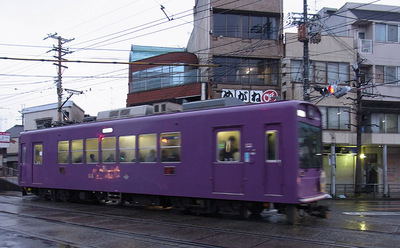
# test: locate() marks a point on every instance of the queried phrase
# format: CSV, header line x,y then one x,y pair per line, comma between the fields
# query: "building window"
x,y
296,71
43,123
108,146
385,123
330,72
386,33
162,77
246,26
127,149
170,145
321,72
148,148
387,75
228,146
335,118
246,71
63,152
77,151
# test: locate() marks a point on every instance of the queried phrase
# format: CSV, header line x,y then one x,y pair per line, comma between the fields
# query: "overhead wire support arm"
x,y
163,10
71,93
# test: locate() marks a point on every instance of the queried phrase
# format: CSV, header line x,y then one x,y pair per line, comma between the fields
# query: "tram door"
x,y
37,163
273,185
22,173
228,166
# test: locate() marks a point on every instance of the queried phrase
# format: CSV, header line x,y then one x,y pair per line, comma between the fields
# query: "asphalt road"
x,y
32,222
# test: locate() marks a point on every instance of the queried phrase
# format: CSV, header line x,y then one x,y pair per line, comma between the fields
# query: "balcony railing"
x,y
365,46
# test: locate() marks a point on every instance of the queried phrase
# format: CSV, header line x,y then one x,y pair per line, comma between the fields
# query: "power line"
x,y
106,62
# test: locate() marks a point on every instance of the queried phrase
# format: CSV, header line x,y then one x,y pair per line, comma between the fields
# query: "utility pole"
x,y
306,57
61,52
359,118
309,31
332,160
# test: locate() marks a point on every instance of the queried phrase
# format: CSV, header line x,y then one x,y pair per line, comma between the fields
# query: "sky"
x,y
102,30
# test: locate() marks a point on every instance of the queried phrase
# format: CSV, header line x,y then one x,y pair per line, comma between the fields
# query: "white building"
x,y
44,116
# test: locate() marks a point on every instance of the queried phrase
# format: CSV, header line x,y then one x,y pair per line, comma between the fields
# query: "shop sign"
x,y
253,96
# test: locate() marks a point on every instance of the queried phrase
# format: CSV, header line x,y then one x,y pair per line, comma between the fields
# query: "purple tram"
x,y
221,159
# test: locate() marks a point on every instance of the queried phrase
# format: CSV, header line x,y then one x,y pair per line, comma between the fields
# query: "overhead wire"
x,y
91,48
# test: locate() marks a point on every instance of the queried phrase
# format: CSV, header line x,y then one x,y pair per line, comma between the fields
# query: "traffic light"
x,y
326,91
342,91
332,88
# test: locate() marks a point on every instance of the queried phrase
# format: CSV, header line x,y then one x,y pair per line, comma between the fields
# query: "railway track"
x,y
154,228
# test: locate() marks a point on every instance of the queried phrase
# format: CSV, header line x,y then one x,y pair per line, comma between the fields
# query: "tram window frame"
x,y
147,147
222,138
272,146
77,151
108,150
63,152
170,147
128,151
92,143
38,154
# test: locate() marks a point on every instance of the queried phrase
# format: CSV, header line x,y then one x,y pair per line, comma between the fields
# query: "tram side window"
x,y
148,148
63,152
170,145
271,140
108,146
77,151
228,145
92,151
38,154
127,149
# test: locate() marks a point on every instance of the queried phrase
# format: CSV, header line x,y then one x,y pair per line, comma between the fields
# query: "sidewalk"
x,y
9,184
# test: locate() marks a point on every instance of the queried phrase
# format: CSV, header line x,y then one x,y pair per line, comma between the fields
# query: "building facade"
x,y
331,62
46,115
360,42
245,39
160,75
9,157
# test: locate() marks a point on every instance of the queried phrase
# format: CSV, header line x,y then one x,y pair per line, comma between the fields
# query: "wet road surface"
x,y
32,222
